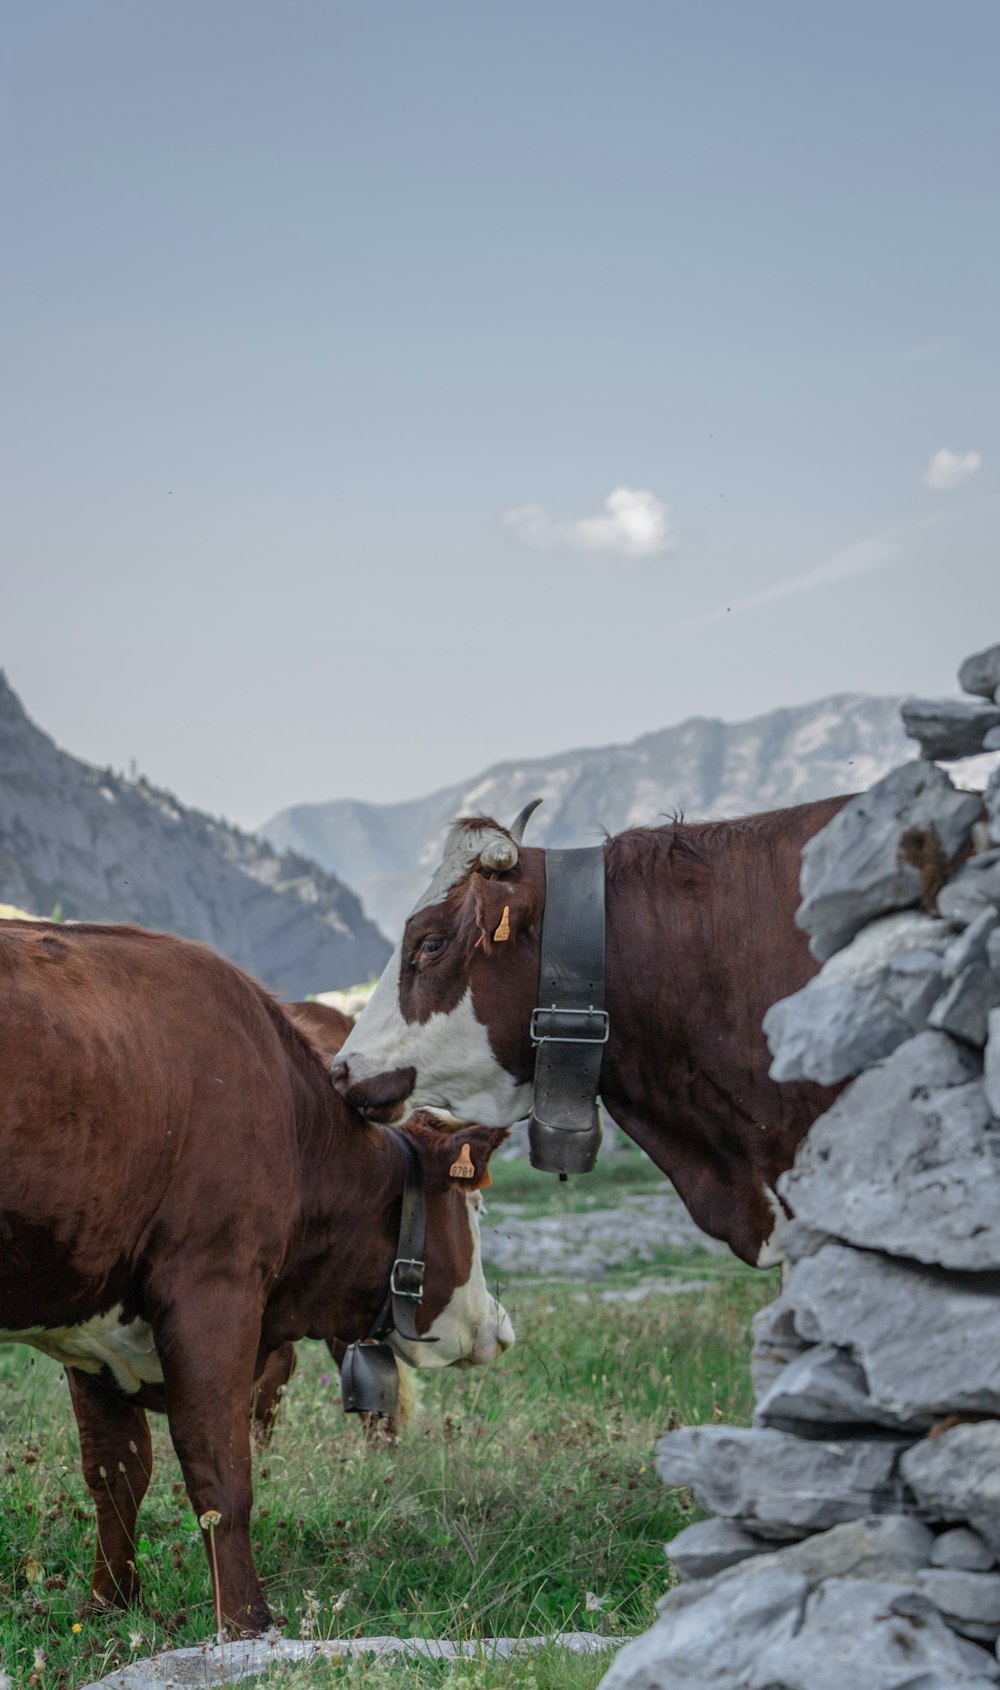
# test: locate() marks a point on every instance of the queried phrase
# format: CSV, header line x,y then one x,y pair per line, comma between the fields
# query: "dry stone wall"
x,y
856,1530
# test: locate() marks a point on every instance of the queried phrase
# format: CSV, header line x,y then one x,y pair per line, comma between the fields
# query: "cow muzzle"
x,y
380,1099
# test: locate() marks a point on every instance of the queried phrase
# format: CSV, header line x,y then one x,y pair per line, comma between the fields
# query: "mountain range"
x,y
702,768
102,848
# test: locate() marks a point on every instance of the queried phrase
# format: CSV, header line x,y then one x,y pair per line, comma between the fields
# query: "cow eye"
x,y
430,946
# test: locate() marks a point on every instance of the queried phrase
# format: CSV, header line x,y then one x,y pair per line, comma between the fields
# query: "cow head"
x,y
447,1024
468,1324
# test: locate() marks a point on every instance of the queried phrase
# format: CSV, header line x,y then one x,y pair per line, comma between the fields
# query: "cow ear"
x,y
459,1159
502,910
453,1157
471,1150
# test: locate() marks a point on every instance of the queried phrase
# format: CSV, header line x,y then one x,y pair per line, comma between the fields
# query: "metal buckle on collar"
x,y
407,1278
554,1016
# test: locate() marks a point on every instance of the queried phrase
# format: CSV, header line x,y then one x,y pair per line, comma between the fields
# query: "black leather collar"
x,y
570,1025
369,1379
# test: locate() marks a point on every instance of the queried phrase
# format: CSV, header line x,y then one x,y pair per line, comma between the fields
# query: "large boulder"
x,y
886,850
868,1307
907,1160
864,1002
771,1631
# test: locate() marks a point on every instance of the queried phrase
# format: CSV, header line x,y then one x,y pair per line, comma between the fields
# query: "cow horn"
x,y
516,829
499,854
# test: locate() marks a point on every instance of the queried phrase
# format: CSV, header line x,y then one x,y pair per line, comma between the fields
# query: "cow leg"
x,y
208,1347
268,1392
117,1459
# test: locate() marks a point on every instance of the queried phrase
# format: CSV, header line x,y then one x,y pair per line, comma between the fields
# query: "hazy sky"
x,y
330,331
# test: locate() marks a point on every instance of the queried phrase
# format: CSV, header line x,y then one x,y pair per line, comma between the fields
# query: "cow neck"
x,y
369,1375
569,1027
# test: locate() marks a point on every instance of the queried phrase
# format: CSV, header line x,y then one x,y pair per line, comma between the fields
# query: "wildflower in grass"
x,y
76,1626
40,1661
135,1640
310,1614
594,1604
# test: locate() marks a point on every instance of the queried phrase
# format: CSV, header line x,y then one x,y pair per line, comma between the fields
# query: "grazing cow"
x,y
700,941
183,1193
326,1028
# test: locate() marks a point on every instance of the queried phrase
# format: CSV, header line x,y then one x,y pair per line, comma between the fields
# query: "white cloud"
x,y
948,470
635,524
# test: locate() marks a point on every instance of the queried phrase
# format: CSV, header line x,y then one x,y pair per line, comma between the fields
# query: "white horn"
x,y
499,853
516,829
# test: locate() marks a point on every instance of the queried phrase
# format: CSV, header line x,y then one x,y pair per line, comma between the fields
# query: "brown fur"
x,y
171,1142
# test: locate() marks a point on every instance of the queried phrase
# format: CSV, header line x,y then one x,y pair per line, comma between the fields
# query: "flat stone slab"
x,y
882,852
907,1161
949,727
777,1485
866,1000
882,1546
969,1602
956,1476
211,1663
926,1344
826,1389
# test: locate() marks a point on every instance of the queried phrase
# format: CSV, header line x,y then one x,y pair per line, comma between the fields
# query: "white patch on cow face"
x,y
455,1066
473,1327
129,1351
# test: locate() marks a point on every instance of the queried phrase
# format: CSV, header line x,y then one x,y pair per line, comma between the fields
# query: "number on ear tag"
x,y
503,930
463,1168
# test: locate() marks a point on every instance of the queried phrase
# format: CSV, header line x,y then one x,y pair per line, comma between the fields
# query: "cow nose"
x,y
339,1073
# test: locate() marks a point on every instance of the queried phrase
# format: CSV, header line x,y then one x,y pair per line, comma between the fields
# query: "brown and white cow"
x,y
701,940
183,1193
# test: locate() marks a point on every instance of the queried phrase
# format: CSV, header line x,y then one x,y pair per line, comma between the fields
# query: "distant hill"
x,y
705,768
107,849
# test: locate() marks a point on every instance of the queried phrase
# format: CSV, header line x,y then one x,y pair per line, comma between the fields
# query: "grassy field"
x,y
521,1488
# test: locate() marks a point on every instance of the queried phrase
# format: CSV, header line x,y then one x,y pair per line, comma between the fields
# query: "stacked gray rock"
x,y
856,1538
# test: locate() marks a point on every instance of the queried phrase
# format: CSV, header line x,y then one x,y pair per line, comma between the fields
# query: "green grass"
x,y
520,1487
628,1173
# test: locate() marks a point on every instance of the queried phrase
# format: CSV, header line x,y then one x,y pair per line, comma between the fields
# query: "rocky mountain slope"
x,y
107,849
703,767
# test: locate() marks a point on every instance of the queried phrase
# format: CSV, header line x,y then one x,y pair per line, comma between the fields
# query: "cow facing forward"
x,y
183,1193
700,941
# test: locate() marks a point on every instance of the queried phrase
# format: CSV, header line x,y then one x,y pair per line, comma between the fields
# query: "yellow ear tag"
x,y
463,1168
503,931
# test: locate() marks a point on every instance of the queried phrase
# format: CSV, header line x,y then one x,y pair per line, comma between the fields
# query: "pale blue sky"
x,y
299,300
